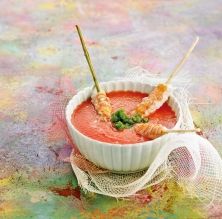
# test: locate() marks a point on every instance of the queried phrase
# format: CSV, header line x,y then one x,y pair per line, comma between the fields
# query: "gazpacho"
x,y
87,121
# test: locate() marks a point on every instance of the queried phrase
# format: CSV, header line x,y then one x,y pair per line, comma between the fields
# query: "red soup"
x,y
86,120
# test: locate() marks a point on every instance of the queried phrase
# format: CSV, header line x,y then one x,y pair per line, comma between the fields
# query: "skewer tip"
x,y
181,63
197,40
88,58
198,130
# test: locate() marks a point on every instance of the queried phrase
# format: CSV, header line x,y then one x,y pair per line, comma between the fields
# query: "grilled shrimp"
x,y
154,101
150,130
102,105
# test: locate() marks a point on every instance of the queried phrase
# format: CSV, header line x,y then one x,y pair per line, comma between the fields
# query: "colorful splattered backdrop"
x,y
42,66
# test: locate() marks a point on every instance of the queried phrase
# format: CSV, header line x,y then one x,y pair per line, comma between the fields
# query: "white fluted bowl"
x,y
118,157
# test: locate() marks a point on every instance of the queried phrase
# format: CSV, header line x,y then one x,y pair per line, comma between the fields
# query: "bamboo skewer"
x,y
160,93
182,130
86,53
182,62
100,101
152,131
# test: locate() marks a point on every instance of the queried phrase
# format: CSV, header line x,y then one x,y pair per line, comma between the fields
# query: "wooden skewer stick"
x,y
184,59
182,130
86,53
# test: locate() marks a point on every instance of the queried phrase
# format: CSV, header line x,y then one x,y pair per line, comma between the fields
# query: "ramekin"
x,y
118,157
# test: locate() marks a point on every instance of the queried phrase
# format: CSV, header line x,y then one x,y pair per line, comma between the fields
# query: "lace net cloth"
x,y
189,159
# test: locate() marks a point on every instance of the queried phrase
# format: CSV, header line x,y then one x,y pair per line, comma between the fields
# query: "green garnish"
x,y
144,120
119,125
122,121
137,118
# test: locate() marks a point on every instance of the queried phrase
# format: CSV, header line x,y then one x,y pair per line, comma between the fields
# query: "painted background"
x,y
42,66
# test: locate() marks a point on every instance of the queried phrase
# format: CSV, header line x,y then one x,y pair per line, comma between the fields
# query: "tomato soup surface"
x,y
86,119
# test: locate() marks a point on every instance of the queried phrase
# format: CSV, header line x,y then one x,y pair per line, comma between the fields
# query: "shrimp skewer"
x,y
161,92
102,105
152,131
100,101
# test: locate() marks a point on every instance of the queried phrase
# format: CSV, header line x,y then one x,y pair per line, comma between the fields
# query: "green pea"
x,y
122,121
114,118
119,112
127,125
130,121
137,118
122,116
119,125
144,120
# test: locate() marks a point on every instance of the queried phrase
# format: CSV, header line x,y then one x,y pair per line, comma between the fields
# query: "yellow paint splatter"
x,y
214,52
10,209
5,181
143,6
21,116
68,4
47,6
74,71
197,117
6,102
40,68
47,51
9,85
